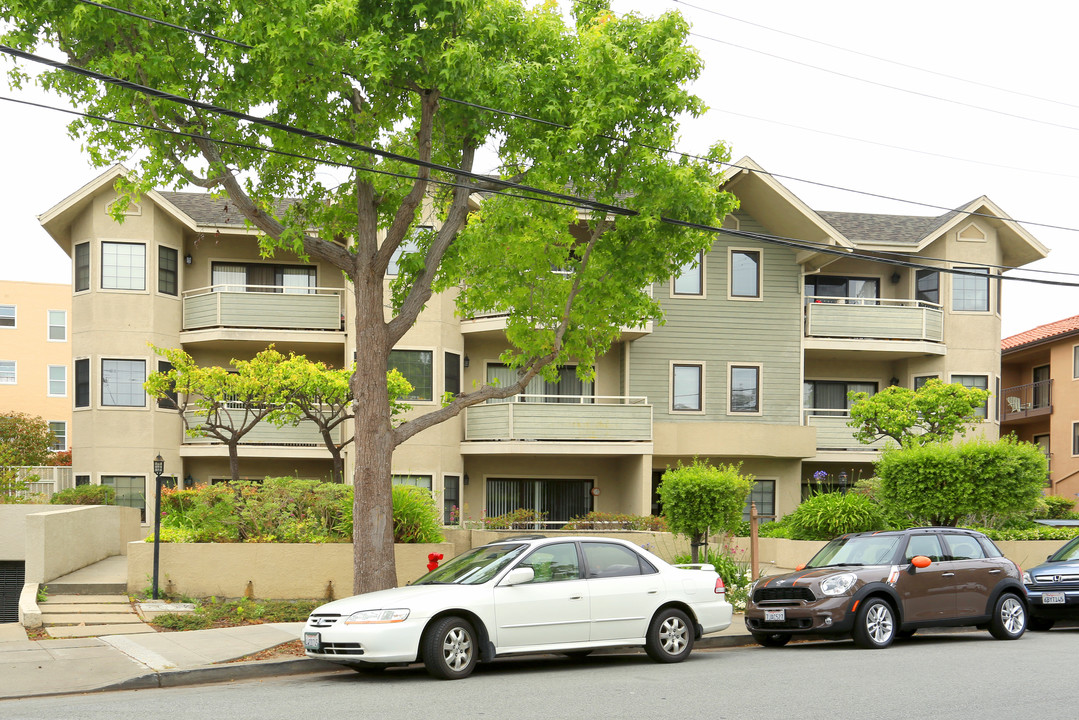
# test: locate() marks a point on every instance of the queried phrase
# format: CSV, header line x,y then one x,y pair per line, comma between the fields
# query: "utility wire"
x,y
201,34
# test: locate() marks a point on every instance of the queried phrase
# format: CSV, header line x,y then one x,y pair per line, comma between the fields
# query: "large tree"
x,y
389,75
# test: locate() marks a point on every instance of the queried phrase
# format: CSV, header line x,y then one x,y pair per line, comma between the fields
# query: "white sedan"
x,y
525,595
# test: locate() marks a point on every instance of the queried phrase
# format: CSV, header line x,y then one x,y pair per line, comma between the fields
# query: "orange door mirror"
x,y
800,567
920,561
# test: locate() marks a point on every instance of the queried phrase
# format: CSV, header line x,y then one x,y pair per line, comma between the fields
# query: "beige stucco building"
x,y
762,343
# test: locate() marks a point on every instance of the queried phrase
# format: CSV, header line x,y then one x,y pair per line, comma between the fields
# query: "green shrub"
x,y
699,498
735,573
1034,532
519,519
182,621
617,521
85,495
824,516
777,529
1057,507
415,516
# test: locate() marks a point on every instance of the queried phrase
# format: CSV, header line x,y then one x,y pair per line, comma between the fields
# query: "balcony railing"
x,y
263,306
877,319
561,418
305,434
1030,400
833,433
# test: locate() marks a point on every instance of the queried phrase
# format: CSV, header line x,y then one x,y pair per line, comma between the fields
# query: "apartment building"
x,y
761,344
1039,402
35,354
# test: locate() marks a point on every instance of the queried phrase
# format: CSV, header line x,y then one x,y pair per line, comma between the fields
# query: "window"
x,y
82,267
82,480
452,376
568,388
169,401
59,435
830,289
167,270
264,277
416,366
974,381
764,495
554,563
121,383
123,266
7,316
921,380
57,325
82,383
409,245
559,499
130,491
963,547
745,389
8,375
423,481
451,499
927,286
831,397
607,560
57,380
1075,362
926,545
970,293
686,384
1075,438
745,273
690,278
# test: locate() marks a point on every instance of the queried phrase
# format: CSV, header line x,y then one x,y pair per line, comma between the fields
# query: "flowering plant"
x,y
820,475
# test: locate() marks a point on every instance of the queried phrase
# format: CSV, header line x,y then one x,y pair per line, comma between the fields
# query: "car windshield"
x,y
473,567
1068,552
863,550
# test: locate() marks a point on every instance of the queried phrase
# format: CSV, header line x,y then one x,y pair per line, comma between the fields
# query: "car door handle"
x,y
576,597
653,592
994,572
947,574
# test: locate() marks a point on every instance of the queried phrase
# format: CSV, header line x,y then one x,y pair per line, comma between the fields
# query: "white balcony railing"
x,y
833,433
561,418
872,318
263,306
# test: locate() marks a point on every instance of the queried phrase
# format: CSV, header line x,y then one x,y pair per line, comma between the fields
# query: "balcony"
x,y
263,313
302,440
493,325
833,434
891,328
1026,403
563,419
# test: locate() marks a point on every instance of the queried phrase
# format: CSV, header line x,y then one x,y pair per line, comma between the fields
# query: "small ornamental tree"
x,y
24,440
941,484
699,498
934,412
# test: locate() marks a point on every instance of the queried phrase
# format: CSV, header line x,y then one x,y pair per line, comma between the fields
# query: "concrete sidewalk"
x,y
30,668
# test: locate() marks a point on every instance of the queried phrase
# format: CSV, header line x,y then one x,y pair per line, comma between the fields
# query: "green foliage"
x,y
1032,532
936,412
827,515
212,612
85,495
42,593
616,521
24,439
940,484
416,518
1057,507
519,519
736,574
699,498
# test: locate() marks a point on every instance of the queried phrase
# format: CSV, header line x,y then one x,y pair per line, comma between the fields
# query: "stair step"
x,y
89,618
97,608
89,588
69,631
58,599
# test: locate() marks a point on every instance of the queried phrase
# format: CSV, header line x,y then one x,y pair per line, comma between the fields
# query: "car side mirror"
x,y
920,561
800,567
518,576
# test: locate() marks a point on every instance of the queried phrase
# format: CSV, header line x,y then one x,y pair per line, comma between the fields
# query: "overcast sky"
x,y
1004,124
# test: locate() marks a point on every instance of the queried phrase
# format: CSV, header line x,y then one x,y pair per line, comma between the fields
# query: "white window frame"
x,y
760,388
14,373
410,474
759,297
145,267
67,443
49,380
14,317
700,365
101,379
49,326
1075,362
701,267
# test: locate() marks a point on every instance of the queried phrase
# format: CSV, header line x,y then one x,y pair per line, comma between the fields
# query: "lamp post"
x,y
159,470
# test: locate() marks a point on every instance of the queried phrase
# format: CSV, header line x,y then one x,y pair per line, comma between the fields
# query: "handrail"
x,y
579,399
276,289
898,302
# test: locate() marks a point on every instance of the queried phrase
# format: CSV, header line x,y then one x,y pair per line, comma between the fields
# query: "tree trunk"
x,y
338,464
234,459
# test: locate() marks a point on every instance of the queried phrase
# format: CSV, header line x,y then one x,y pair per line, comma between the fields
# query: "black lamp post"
x,y
159,469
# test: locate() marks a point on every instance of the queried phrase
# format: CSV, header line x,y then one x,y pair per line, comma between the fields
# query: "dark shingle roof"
x,y
206,209
875,228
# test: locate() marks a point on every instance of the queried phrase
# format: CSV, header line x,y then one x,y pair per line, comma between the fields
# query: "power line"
x,y
201,34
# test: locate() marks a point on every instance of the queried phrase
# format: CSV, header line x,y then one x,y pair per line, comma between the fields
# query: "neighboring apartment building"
x,y
35,354
1039,402
761,344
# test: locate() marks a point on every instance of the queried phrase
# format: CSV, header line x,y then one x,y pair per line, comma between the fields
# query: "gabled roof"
x,y
1043,333
205,209
861,228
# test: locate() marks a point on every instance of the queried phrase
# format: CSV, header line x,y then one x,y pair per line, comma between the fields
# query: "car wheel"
x,y
670,636
450,649
874,627
772,639
1038,624
1009,619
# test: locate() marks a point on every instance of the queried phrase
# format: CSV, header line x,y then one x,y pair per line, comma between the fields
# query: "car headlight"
x,y
377,617
837,584
1027,580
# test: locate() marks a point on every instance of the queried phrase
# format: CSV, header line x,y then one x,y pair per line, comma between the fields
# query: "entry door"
x,y
1041,386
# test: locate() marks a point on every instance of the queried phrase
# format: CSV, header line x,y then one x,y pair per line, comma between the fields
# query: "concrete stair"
x,y
90,602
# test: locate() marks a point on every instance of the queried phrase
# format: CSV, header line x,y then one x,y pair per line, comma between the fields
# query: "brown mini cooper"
x,y
875,587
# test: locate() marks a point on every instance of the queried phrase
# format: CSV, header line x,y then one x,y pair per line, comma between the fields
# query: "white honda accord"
x,y
525,594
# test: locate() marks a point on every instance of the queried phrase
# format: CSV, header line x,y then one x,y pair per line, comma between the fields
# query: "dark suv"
x,y
877,586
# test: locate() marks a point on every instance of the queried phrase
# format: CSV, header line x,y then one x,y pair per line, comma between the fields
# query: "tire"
x,y
670,636
1039,624
450,648
1009,618
874,628
772,640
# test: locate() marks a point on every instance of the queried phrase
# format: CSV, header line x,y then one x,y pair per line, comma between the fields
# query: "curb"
x,y
225,672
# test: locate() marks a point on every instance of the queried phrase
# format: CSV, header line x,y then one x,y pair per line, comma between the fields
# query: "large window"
x,y
130,491
927,286
167,270
975,381
452,373
1075,361
1075,438
690,278
554,563
57,325
423,481
409,245
745,389
264,277
57,380
82,267
59,435
764,495
416,366
745,273
860,290
921,380
169,401
687,383
123,266
8,372
7,316
121,383
830,397
970,293
559,499
568,388
82,383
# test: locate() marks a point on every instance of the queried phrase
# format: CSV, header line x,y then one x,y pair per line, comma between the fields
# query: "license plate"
x,y
311,640
1056,598
775,616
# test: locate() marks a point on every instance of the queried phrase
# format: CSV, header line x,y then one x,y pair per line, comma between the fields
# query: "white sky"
x,y
1028,49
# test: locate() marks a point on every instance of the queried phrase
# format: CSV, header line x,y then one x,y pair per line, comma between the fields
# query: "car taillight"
x,y
720,587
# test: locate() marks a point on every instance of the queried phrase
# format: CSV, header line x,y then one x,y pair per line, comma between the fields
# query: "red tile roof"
x,y
1041,333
